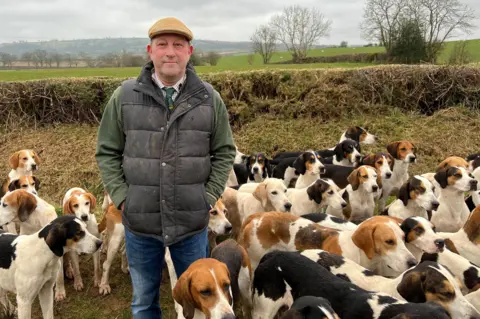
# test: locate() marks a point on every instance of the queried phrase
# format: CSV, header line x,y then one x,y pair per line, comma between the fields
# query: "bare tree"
x,y
57,58
7,59
212,58
381,20
27,57
298,28
441,20
264,42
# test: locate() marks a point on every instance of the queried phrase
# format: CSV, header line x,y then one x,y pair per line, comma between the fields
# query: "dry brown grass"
x,y
68,160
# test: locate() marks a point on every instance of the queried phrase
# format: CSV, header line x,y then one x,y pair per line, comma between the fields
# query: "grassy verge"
x,y
68,160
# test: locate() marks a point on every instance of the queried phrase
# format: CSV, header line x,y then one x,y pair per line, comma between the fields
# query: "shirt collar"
x,y
177,85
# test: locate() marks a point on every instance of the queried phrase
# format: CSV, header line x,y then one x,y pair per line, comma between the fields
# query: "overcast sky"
x,y
230,20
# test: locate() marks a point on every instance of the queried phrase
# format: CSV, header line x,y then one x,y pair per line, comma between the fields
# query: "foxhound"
x,y
404,154
453,212
377,244
29,263
80,203
416,197
311,199
359,194
204,290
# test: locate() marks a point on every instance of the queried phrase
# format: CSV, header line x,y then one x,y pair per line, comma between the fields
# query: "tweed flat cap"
x,y
170,25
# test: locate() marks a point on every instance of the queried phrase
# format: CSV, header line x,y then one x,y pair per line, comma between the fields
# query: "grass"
x,y
70,162
227,63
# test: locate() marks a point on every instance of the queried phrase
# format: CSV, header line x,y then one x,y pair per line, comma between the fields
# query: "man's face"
x,y
170,54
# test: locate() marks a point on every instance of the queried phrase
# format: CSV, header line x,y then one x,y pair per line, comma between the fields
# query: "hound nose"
x,y
412,159
288,206
374,188
388,175
344,204
440,243
255,169
411,263
228,229
98,243
34,166
84,218
435,205
358,157
473,184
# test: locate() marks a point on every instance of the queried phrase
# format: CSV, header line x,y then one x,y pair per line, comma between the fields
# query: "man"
x,y
164,150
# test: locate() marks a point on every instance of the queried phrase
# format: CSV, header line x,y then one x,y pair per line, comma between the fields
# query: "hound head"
x,y
419,190
382,241
348,149
273,191
403,151
68,233
430,281
383,162
364,177
25,160
17,205
360,134
473,161
218,222
420,233
81,204
309,163
205,286
456,178
258,166
452,161
326,193
29,183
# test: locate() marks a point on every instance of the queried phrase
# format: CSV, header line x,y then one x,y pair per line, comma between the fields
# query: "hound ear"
x,y
299,165
411,288
353,179
67,208
363,239
268,168
26,205
15,184
13,160
55,237
260,193
379,179
404,193
36,157
315,193
181,294
392,149
338,150
369,160
37,182
441,178
93,201
392,160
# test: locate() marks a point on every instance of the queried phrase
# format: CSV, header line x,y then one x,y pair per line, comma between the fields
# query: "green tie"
x,y
168,98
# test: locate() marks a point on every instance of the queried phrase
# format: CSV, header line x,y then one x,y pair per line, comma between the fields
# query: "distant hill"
x,y
95,47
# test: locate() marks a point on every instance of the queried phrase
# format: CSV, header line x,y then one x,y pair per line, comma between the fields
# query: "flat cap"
x,y
170,25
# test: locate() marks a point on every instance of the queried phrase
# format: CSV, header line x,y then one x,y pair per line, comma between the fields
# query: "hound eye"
x,y
24,186
75,206
330,192
226,286
4,205
458,175
214,212
206,292
25,159
274,193
403,149
390,242
419,230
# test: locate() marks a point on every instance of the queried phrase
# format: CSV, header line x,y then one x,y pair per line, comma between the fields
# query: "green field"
x,y
228,63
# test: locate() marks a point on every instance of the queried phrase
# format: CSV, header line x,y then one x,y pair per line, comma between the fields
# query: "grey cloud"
x,y
231,20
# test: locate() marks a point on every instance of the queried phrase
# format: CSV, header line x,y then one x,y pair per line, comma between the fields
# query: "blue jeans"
x,y
146,256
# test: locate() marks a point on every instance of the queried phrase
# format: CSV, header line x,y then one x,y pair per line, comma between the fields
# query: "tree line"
x,y
44,59
412,31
